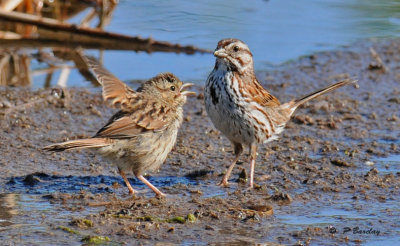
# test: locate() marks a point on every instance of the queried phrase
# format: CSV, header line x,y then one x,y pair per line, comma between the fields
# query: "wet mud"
x,y
333,177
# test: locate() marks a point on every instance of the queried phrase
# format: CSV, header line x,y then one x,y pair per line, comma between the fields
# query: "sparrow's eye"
x,y
172,88
236,48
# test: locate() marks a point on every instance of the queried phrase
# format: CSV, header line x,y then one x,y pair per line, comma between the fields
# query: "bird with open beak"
x,y
139,137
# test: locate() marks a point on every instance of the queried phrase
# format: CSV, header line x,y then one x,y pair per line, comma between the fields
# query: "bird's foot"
x,y
152,187
224,183
160,195
131,190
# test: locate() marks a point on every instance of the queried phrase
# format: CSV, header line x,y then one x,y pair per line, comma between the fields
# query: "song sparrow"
x,y
245,112
139,137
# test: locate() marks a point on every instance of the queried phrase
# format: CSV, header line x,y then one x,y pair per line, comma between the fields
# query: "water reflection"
x,y
57,64
14,68
15,63
7,209
32,220
276,31
27,25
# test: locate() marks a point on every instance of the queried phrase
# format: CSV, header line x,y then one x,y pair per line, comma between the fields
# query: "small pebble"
x,y
369,163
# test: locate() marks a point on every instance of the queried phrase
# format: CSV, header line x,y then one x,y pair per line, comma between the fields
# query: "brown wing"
x,y
113,88
143,116
266,99
260,95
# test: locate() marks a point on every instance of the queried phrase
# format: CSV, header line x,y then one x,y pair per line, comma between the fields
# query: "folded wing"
x,y
148,116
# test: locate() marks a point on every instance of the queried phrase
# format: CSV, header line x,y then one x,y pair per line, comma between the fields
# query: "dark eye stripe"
x,y
170,79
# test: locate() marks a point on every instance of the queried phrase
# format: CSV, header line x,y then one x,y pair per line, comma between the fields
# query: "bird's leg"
x,y
131,190
238,152
146,182
253,157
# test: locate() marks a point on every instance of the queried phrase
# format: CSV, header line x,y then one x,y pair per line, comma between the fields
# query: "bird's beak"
x,y
220,53
186,93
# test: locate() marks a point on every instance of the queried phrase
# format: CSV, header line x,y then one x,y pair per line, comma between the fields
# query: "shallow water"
x,y
390,164
26,212
354,220
276,32
42,184
33,220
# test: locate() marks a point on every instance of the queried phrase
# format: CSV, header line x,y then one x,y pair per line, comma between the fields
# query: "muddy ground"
x,y
320,179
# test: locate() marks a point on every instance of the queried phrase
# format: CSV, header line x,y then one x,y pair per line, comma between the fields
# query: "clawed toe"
x,y
224,183
131,191
249,189
160,195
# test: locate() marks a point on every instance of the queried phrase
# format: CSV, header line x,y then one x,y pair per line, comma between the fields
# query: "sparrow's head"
x,y
167,88
234,54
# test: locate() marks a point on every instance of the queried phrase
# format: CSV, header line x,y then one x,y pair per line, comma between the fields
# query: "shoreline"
x,y
321,163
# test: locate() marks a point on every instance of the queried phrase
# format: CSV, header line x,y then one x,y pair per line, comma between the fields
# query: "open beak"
x,y
220,53
186,93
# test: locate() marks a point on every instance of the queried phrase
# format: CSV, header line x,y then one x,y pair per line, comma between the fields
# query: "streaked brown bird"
x,y
139,137
245,112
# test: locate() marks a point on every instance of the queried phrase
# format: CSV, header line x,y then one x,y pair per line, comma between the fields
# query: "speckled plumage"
x,y
239,107
139,137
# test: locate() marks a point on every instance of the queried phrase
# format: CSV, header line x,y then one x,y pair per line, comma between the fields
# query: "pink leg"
x,y
131,190
146,182
238,152
253,157
252,164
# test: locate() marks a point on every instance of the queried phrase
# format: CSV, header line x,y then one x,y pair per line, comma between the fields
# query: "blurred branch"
x,y
53,33
9,5
108,45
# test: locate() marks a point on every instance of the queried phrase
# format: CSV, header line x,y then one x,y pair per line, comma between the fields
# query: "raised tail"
x,y
298,102
77,144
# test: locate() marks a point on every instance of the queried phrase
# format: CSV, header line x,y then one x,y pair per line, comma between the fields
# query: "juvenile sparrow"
x,y
245,112
139,137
